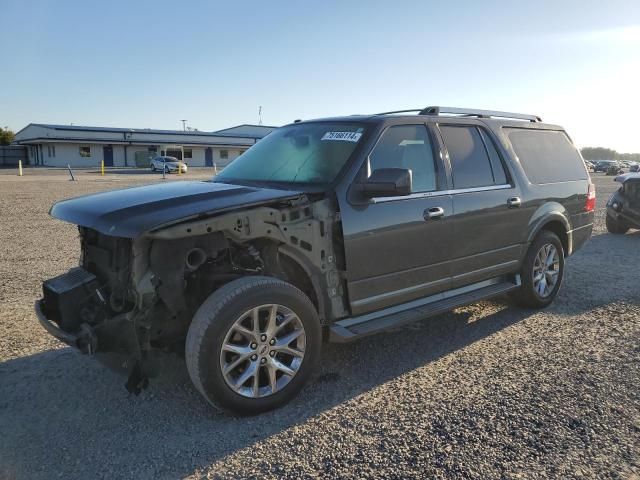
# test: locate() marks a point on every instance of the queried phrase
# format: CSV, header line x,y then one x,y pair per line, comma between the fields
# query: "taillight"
x,y
590,204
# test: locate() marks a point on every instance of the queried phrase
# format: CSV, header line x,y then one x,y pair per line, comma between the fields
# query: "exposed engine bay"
x,y
136,296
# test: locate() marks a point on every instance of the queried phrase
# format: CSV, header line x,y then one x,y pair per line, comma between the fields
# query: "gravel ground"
x,y
486,391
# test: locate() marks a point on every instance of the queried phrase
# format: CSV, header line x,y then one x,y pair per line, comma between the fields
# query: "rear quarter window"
x,y
547,156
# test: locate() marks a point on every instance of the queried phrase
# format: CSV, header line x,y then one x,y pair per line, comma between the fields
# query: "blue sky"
x,y
152,63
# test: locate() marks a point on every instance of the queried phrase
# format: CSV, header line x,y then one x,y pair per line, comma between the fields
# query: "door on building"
x,y
107,152
208,157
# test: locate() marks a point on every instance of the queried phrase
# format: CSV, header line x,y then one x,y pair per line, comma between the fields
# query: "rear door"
x,y
490,221
394,251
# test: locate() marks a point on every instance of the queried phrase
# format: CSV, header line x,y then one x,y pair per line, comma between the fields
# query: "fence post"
x,y
102,168
19,168
73,179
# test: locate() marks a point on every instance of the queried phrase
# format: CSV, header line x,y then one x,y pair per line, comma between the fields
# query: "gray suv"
x,y
325,230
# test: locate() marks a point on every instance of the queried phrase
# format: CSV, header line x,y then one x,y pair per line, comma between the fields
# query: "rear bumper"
x,y
579,236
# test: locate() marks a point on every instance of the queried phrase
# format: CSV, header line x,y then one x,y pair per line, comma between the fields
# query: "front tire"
x,y
252,345
542,272
616,226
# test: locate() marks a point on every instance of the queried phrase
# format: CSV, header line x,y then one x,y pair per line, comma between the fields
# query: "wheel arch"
x,y
306,277
554,220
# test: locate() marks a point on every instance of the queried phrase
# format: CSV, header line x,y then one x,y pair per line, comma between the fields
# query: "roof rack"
x,y
466,112
469,112
401,111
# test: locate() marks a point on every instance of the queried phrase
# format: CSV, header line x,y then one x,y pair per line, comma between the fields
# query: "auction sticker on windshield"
x,y
342,136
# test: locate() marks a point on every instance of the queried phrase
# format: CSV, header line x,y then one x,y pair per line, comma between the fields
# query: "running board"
x,y
370,323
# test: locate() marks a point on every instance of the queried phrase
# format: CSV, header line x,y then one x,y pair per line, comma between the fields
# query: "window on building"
x,y
409,147
49,150
224,154
53,150
470,162
174,152
188,153
85,151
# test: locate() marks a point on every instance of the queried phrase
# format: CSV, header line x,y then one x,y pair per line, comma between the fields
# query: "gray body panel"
x,y
394,256
389,252
133,211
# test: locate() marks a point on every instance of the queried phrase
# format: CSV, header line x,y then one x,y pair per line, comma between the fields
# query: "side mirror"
x,y
387,182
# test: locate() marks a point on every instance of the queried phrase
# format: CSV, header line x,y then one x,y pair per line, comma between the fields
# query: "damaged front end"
x,y
95,307
132,298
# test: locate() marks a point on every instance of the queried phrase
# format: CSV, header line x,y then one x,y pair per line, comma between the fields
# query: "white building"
x,y
59,145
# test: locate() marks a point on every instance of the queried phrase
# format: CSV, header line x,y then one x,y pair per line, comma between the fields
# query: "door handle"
x,y
514,202
433,213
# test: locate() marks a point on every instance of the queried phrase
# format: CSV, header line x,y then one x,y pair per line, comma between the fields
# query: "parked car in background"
x,y
168,164
329,229
635,167
623,207
590,165
604,165
615,170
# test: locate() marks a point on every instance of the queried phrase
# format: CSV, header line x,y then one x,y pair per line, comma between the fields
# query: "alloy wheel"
x,y
262,351
546,270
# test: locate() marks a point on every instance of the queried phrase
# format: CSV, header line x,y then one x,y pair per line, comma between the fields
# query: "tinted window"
x,y
470,162
313,152
547,156
499,177
409,147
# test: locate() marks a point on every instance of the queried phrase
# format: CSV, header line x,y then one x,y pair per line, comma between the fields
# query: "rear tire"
x,y
616,226
225,322
541,272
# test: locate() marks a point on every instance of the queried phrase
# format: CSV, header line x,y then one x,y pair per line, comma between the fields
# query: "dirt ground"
x,y
486,391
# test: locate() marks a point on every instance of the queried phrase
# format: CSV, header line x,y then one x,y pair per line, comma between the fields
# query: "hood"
x,y
130,212
627,176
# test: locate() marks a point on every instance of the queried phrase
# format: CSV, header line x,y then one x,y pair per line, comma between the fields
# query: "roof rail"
x,y
469,112
400,111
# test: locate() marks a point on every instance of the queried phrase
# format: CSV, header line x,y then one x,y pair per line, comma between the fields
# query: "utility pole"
x,y
184,125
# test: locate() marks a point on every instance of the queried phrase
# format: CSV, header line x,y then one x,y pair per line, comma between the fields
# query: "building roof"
x,y
82,128
248,126
241,135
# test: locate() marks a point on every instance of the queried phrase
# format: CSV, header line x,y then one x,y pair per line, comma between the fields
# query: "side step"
x,y
370,323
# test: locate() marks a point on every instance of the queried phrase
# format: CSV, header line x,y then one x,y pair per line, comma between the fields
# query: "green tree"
x,y
6,136
601,153
598,153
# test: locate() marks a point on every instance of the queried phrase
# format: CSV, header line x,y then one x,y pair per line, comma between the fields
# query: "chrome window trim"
x,y
437,193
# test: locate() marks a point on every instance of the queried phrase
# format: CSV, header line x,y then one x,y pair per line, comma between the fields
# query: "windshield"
x,y
303,153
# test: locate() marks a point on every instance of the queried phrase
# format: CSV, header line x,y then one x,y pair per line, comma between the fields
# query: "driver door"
x,y
396,249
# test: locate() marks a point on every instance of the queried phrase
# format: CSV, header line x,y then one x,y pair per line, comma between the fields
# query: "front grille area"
x,y
109,259
68,296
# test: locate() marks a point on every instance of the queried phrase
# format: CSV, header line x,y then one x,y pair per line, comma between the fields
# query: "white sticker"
x,y
342,136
